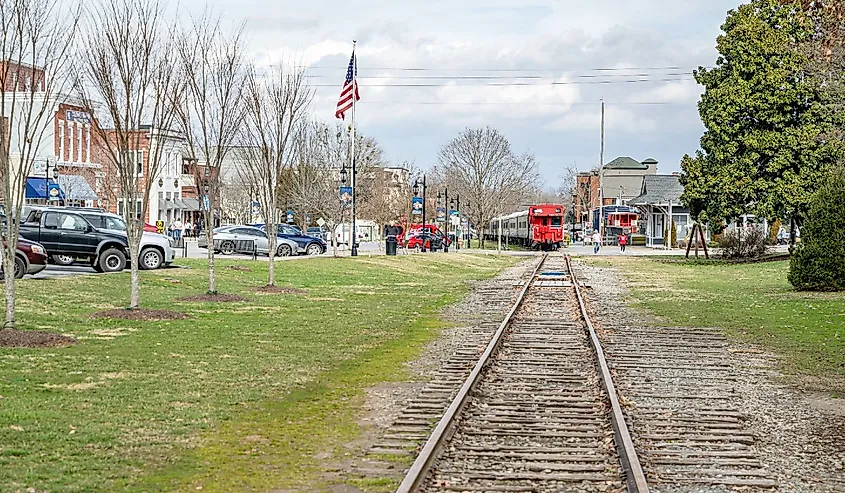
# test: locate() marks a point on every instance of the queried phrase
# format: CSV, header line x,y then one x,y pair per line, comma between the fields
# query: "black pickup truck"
x,y
68,235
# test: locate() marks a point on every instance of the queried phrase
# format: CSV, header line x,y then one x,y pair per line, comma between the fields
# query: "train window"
x,y
545,221
556,221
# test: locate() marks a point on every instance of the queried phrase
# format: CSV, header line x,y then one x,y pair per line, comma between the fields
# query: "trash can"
x,y
390,245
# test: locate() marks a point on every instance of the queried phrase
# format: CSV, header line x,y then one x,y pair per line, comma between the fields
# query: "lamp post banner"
x,y
290,216
54,191
416,205
346,195
441,214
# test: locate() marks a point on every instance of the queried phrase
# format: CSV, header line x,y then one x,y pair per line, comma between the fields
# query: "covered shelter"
x,y
660,203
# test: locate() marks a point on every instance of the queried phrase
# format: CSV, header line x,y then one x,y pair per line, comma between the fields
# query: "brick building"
x,y
621,178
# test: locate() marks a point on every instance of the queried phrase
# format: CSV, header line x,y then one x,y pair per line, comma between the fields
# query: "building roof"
x,y
627,163
658,190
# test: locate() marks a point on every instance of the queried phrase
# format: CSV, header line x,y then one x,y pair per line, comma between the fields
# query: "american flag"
x,y
345,100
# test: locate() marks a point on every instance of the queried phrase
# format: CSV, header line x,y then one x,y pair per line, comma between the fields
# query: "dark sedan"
x,y
30,258
308,244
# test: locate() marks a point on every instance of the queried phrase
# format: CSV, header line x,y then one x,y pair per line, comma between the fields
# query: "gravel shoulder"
x,y
799,435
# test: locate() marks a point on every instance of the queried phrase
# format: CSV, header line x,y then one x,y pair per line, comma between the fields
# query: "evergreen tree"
x,y
764,149
818,263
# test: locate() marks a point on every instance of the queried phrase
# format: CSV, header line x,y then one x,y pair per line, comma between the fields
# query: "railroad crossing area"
x,y
541,397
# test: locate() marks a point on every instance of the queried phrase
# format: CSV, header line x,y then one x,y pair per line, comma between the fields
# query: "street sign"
x,y
321,222
160,227
77,116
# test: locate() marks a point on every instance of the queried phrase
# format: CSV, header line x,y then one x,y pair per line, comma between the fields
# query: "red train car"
x,y
546,226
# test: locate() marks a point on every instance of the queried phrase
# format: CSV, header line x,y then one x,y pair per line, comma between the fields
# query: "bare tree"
x,y
567,191
313,182
212,110
275,107
35,36
480,165
128,71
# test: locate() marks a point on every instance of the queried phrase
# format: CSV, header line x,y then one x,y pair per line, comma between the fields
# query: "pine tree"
x,y
819,261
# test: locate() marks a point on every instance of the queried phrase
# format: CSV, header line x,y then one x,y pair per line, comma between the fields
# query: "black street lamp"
x,y
458,227
446,218
353,234
417,187
47,180
468,235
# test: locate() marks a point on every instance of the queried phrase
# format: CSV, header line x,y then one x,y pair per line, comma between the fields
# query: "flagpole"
x,y
354,239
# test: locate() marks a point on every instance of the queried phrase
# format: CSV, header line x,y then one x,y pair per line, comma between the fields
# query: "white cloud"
x,y
562,40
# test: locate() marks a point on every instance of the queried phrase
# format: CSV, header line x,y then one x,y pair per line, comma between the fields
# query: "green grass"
x,y
753,301
245,396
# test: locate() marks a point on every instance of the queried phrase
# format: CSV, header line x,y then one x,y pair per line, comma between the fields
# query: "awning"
x,y
36,188
164,205
76,187
180,204
191,204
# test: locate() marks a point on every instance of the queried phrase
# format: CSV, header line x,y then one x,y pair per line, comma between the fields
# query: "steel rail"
x,y
420,468
634,475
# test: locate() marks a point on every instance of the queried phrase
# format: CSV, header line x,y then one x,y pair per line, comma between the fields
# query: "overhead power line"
x,y
518,103
498,69
517,84
502,77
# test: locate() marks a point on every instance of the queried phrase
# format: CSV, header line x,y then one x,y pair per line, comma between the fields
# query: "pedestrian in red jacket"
x,y
623,240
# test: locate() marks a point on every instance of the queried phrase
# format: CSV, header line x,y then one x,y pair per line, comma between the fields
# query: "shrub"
x,y
674,235
773,231
744,243
818,263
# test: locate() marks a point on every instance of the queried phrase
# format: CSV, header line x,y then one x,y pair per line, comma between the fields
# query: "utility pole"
x,y
601,177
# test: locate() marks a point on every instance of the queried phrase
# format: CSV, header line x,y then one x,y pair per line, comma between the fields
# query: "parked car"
x,y
318,232
240,239
156,249
67,233
30,258
429,228
292,226
306,244
417,239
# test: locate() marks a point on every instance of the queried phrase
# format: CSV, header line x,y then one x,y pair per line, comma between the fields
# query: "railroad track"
x,y
538,411
413,425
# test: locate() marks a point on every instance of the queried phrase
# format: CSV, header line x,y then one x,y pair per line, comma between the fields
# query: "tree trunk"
x,y
791,235
209,238
271,251
135,289
9,274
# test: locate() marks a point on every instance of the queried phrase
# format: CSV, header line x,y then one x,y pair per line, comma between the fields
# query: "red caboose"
x,y
546,223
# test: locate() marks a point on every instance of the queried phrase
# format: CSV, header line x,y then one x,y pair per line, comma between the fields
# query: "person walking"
x,y
189,228
596,242
623,241
177,229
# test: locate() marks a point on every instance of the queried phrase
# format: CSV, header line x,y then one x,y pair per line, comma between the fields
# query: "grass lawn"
x,y
753,301
245,396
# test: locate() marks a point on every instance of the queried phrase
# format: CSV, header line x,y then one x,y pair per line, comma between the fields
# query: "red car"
x,y
429,228
30,258
417,239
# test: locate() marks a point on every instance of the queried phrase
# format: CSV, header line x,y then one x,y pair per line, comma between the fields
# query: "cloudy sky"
x,y
535,69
